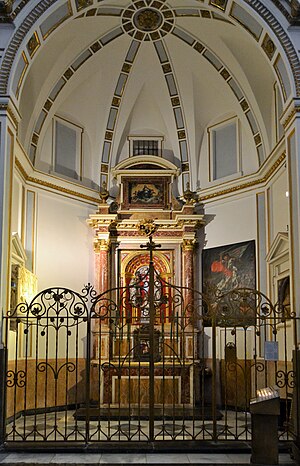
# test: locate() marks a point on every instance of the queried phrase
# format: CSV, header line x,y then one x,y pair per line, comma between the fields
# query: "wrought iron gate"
x,y
147,365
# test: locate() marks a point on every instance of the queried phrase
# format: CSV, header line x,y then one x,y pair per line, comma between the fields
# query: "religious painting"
x,y
228,267
145,192
284,300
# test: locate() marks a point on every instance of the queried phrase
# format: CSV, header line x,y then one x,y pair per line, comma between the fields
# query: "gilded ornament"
x,y
33,44
167,68
257,139
181,134
101,245
48,105
168,14
244,105
268,46
83,4
188,244
35,139
175,101
104,193
167,27
199,47
126,67
205,14
148,20
68,73
188,195
225,73
147,227
155,36
116,101
219,4
95,47
109,135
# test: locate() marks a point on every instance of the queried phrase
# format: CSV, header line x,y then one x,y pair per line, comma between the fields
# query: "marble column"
x,y
102,248
188,273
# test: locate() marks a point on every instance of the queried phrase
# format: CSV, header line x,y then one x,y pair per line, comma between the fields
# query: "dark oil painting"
x,y
228,267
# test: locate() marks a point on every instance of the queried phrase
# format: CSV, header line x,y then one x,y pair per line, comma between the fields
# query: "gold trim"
x,y
10,113
47,184
288,118
22,74
23,216
291,226
33,223
248,184
9,226
257,38
188,244
68,15
101,245
278,74
33,44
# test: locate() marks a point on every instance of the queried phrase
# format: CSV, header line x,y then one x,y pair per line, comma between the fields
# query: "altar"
x,y
145,331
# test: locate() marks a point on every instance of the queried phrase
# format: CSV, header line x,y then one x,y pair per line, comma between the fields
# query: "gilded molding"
x,y
7,108
53,186
288,117
101,245
188,244
246,185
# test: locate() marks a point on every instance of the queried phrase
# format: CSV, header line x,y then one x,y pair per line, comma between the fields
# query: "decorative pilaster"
x,y
188,246
102,248
291,122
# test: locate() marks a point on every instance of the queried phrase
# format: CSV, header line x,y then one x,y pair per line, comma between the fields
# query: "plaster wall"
x,y
64,253
278,205
16,217
230,221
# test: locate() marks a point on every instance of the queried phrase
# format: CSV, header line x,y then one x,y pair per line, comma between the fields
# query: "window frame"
x,y
79,154
211,154
159,139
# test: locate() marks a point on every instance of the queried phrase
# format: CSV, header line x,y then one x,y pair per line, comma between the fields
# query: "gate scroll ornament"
x,y
150,380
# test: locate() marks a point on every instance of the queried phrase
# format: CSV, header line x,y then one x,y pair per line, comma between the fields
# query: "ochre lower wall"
x,y
52,385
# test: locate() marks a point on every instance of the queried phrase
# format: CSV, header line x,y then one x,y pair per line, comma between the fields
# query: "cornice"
x,y
47,184
289,113
11,111
247,184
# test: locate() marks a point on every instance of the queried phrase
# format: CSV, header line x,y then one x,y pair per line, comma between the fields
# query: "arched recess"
x,y
134,273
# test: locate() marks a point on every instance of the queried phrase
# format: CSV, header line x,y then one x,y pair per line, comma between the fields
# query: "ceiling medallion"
x,y
148,20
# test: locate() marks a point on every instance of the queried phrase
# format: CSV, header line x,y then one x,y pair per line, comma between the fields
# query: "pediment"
x,y
279,247
18,251
145,165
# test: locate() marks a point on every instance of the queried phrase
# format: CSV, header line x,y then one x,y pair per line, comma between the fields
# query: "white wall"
x,y
16,215
278,205
64,243
230,221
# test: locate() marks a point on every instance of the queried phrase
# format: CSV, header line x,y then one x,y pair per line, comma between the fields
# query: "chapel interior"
x,y
149,148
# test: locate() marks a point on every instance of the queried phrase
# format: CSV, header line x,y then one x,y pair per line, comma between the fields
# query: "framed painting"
x,y
228,267
145,192
284,299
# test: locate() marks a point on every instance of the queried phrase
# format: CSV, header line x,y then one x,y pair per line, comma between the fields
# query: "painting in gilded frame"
x,y
146,192
226,268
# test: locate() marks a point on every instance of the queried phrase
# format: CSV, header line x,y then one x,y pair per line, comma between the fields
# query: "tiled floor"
x,y
132,458
232,426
